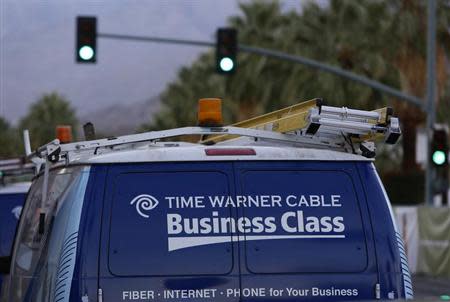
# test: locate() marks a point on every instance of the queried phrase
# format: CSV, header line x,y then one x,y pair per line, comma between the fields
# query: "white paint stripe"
x,y
177,243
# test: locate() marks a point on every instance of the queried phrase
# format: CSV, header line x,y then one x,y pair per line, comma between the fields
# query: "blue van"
x,y
134,219
12,197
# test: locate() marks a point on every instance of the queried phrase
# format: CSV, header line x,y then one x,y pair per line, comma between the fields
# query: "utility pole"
x,y
430,96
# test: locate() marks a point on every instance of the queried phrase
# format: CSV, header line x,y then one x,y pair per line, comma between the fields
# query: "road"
x,y
429,288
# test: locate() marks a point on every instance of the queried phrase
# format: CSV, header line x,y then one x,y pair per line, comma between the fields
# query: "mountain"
x,y
120,119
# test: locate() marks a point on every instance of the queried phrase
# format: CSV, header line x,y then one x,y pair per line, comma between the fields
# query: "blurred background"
x,y
135,86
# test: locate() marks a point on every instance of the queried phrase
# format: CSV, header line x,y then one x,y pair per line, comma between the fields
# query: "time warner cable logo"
x,y
144,203
16,212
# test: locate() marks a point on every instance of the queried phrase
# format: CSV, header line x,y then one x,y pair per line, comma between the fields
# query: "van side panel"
x,y
392,277
85,282
307,263
161,240
10,208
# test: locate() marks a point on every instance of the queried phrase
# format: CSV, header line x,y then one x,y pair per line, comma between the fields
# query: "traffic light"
x,y
440,148
226,50
86,49
439,158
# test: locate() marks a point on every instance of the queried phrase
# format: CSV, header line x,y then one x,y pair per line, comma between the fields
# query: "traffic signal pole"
x,y
430,96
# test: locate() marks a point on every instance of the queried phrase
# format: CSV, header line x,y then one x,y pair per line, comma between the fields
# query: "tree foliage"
x,y
8,139
43,116
381,39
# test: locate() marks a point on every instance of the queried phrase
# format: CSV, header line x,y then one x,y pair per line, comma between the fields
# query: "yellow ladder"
x,y
284,120
311,115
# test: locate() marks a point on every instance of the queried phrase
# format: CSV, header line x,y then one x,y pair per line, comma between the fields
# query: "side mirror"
x,y
5,264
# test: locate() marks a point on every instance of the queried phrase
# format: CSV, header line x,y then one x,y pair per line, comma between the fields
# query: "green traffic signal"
x,y
226,50
439,157
226,64
86,53
439,147
86,40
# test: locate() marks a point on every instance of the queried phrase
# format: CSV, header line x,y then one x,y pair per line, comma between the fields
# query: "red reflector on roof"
x,y
230,151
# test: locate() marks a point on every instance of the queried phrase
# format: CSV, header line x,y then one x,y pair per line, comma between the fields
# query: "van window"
x,y
37,266
157,220
320,227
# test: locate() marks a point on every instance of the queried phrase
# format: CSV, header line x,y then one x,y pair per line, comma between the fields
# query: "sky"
x,y
37,49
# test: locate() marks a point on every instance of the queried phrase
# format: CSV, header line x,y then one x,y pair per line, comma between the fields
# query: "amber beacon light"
x,y
210,112
64,133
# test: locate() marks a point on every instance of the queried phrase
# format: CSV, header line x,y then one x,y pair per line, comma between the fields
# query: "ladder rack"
x,y
310,124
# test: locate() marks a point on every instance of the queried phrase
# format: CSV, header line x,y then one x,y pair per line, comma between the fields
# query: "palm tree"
x,y
382,40
257,85
8,140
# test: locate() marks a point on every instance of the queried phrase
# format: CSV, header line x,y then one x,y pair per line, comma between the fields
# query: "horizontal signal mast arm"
x,y
413,100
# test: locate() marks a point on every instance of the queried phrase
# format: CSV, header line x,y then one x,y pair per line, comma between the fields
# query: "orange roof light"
x,y
210,112
64,134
